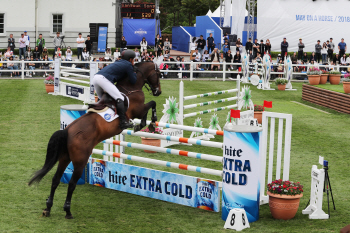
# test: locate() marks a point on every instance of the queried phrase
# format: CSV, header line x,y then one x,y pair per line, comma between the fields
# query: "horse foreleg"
x,y
78,170
151,104
63,163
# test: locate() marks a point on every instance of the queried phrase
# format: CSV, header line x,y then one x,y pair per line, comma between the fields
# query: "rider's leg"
x,y
102,84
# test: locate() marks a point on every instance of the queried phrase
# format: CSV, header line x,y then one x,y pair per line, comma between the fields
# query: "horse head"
x,y
151,76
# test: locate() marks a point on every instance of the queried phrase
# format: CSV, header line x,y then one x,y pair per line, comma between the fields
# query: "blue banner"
x,y
171,187
102,39
135,29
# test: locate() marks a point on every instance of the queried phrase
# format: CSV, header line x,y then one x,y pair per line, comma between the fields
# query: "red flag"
x,y
235,114
267,104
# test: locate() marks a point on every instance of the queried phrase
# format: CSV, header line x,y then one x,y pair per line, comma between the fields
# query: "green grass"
x,y
29,116
336,88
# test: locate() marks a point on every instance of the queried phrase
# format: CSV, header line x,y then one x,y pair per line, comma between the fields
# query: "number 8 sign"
x,y
237,220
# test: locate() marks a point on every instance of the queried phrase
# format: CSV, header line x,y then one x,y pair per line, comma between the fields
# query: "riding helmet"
x,y
127,54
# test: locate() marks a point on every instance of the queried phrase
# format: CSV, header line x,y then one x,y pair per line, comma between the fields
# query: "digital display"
x,y
138,11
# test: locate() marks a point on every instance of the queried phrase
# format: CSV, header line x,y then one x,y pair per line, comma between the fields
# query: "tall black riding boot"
x,y
122,117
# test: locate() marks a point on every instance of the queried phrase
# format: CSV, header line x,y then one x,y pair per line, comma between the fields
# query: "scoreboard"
x,y
138,10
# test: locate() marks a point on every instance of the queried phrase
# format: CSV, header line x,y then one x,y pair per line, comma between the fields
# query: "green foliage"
x,y
281,81
334,72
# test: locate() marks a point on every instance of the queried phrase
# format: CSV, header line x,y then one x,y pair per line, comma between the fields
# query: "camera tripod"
x,y
327,183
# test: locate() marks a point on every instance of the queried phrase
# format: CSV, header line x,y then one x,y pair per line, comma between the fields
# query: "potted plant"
x,y
334,77
258,110
346,83
281,83
96,97
151,141
284,198
313,75
49,84
324,77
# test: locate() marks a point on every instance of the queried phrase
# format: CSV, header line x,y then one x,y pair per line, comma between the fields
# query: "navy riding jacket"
x,y
119,70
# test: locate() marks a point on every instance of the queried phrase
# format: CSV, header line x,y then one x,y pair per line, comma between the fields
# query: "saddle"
x,y
107,101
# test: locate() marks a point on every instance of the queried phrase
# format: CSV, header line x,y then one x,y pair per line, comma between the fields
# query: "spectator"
x,y
9,53
160,47
336,59
302,68
250,56
36,54
69,55
279,57
256,48
150,55
46,64
12,66
178,64
215,58
143,44
318,48
31,66
11,42
144,55
123,44
166,54
108,54
210,43
156,43
239,45
294,58
343,62
342,47
88,44
167,44
258,58
312,57
116,54
22,46
249,46
28,54
205,58
225,48
324,53
40,43
197,58
330,49
27,40
268,46
58,53
228,59
280,68
304,58
45,52
200,44
237,59
193,47
137,55
184,67
57,41
86,56
284,48
80,45
262,48
301,47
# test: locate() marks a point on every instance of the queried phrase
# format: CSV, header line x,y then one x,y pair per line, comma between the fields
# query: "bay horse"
x,y
76,142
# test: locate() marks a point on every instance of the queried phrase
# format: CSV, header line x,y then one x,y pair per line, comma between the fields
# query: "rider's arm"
x,y
132,75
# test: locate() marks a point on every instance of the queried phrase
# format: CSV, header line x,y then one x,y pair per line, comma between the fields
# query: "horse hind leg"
x,y
63,163
151,104
78,170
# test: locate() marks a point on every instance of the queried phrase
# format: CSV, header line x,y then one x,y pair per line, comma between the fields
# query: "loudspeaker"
x,y
232,38
226,30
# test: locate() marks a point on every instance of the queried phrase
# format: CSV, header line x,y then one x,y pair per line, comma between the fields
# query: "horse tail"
x,y
55,147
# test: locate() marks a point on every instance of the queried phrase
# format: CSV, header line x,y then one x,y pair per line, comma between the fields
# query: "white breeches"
x,y
102,84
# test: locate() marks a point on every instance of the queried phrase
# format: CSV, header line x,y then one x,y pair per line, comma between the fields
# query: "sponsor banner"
x,y
171,187
74,91
171,132
102,39
241,171
135,29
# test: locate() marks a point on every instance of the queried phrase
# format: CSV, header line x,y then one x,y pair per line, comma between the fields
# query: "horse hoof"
x,y
69,216
46,213
151,128
137,128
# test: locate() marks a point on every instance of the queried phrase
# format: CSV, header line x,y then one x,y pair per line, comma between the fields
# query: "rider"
x,y
104,82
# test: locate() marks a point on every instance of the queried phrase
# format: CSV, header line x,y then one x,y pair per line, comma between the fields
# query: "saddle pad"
x,y
107,114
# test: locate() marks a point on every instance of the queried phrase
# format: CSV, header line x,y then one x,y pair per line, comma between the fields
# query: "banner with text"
x,y
309,20
171,187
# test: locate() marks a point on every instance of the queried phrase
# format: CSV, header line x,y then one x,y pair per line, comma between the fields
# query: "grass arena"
x,y
29,116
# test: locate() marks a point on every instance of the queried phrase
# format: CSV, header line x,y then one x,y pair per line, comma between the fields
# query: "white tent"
x,y
209,13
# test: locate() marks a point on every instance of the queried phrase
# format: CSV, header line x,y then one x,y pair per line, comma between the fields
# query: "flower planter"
x,y
281,87
346,87
314,79
283,206
49,88
334,79
323,78
258,116
150,142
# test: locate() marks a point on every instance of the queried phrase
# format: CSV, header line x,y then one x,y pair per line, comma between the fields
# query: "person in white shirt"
x,y
27,39
197,58
86,56
193,47
108,54
324,52
69,55
143,44
80,46
116,54
137,55
8,53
